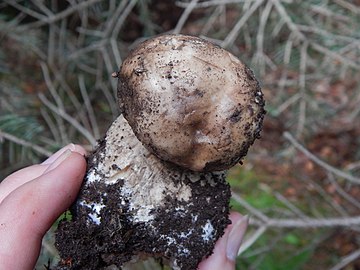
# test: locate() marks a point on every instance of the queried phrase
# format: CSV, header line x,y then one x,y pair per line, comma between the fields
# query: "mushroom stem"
x,y
135,203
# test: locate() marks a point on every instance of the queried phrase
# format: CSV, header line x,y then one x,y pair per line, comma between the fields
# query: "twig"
x,y
110,99
308,222
302,84
26,10
324,33
116,52
88,106
321,191
92,47
347,260
61,15
120,20
57,98
289,205
319,162
22,142
260,36
251,209
68,118
184,16
230,38
334,55
50,124
110,69
206,4
42,7
110,23
348,5
51,45
342,192
292,26
287,103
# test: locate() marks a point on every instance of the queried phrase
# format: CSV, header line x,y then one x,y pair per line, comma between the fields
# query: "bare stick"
x,y
319,162
110,99
88,106
280,8
24,143
116,52
260,36
342,192
309,222
250,208
302,85
42,7
60,15
348,5
110,23
57,99
347,260
26,10
120,21
184,16
290,205
50,123
287,103
110,69
68,118
230,38
335,55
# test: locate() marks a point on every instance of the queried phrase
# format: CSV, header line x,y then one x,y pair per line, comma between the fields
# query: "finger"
x,y
20,177
27,174
30,210
226,249
73,147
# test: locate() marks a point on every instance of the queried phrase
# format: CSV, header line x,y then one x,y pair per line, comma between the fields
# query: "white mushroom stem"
x,y
147,180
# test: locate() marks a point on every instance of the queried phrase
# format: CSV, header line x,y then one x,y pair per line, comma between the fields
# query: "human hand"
x,y
31,200
227,247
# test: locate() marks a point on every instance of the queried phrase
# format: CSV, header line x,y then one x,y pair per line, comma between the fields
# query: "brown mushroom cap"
x,y
191,102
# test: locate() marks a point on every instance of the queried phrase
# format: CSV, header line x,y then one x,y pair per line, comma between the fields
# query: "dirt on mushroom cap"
x,y
191,102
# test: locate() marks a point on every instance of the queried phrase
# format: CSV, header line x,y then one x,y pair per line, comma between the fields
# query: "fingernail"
x,y
59,160
235,238
53,157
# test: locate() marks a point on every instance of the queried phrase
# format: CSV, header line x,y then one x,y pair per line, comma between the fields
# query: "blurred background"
x,y
299,184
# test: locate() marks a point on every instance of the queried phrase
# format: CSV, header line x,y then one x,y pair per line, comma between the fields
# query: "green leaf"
x,y
292,239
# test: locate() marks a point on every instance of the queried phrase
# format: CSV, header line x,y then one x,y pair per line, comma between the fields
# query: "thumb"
x,y
30,210
227,247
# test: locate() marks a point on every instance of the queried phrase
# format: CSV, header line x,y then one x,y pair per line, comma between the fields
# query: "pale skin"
x,y
32,198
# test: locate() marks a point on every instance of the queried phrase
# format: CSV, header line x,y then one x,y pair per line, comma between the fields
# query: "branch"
x,y
68,118
24,143
308,222
184,16
230,38
346,260
319,162
60,15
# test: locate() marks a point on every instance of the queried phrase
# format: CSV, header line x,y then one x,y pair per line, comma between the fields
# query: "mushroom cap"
x,y
191,102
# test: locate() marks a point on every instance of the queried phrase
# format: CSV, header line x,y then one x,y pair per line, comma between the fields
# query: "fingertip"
x,y
235,217
226,247
72,147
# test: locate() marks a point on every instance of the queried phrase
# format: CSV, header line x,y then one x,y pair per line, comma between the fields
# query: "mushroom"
x,y
155,185
190,102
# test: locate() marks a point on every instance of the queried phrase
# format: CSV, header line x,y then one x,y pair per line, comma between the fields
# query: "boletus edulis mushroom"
x,y
155,184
